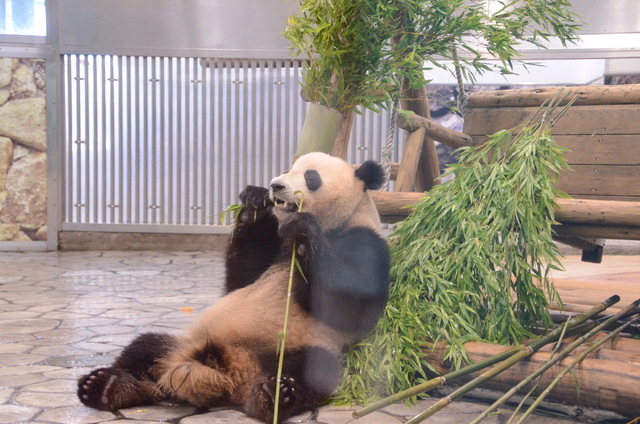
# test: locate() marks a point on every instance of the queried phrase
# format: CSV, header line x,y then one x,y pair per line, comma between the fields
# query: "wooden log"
x,y
606,384
416,100
444,135
409,165
574,211
341,143
587,95
601,212
396,203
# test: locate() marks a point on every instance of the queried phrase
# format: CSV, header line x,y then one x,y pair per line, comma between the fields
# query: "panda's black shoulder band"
x,y
372,174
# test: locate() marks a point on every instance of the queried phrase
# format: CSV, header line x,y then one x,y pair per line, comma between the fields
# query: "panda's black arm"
x,y
346,271
254,243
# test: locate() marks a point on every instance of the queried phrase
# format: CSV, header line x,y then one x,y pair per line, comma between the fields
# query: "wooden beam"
x,y
594,120
444,135
587,95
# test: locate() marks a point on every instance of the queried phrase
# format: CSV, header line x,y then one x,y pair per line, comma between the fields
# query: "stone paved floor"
x,y
65,313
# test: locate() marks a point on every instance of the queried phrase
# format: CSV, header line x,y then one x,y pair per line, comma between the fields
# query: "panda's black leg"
x,y
131,380
309,376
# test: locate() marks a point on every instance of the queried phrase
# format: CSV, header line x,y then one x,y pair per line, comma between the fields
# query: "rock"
x,y
6,154
20,236
3,197
8,231
23,85
25,122
26,203
4,95
19,152
6,66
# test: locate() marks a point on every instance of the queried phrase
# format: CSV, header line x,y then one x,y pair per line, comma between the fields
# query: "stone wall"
x,y
23,150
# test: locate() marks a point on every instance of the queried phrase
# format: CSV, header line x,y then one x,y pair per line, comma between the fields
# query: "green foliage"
x,y
471,262
359,51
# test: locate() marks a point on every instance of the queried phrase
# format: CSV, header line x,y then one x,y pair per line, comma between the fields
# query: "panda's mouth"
x,y
285,205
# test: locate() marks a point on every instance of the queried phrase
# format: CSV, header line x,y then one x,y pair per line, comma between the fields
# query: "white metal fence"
x,y
171,141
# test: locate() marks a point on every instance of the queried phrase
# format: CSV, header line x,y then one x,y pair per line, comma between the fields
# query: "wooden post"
x,y
428,173
409,165
341,143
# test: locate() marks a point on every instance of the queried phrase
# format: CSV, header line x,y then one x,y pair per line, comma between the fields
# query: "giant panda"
x,y
228,357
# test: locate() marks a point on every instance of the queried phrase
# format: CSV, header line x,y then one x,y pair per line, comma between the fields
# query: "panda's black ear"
x,y
372,174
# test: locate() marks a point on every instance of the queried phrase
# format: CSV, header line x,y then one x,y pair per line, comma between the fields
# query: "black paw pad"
x,y
94,388
288,391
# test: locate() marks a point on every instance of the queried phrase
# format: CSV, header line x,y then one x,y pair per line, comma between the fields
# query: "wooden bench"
x,y
602,132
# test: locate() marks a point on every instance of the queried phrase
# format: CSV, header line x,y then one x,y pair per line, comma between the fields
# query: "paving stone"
x,y
5,395
75,415
169,412
14,348
16,414
47,400
222,416
20,358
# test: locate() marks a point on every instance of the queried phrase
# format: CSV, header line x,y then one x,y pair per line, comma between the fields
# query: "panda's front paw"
x,y
301,228
256,197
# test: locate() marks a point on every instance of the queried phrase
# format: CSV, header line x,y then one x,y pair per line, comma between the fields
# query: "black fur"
x,y
130,381
372,174
313,180
255,236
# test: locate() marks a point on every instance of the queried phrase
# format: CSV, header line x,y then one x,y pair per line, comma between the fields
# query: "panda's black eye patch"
x,y
313,179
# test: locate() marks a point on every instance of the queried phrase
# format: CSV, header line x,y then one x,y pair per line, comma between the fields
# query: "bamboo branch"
x,y
439,381
552,361
575,362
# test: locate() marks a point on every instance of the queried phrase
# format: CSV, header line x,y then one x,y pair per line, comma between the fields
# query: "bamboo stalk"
x,y
283,335
555,359
441,380
573,363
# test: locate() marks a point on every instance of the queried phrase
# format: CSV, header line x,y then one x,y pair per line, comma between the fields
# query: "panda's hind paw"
x,y
109,389
263,398
94,388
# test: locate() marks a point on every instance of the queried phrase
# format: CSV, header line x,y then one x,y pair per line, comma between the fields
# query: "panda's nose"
x,y
276,187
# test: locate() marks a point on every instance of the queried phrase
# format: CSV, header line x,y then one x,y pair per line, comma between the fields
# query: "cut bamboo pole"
x,y
439,381
573,363
503,366
555,359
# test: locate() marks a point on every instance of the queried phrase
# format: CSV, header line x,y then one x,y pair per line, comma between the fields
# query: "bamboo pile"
x,y
585,367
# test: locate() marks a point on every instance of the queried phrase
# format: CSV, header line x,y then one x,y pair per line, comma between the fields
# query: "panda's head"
x,y
330,189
